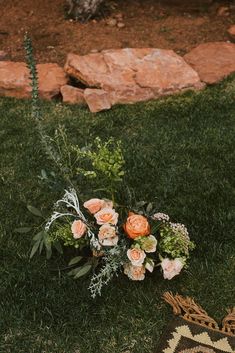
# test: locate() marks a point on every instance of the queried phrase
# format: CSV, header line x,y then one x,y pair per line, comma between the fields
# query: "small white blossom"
x,y
161,217
180,228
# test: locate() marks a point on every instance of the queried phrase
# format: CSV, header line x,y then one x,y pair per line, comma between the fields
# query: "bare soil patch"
x,y
147,23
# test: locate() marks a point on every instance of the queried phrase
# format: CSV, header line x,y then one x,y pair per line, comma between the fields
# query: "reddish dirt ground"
x,y
148,23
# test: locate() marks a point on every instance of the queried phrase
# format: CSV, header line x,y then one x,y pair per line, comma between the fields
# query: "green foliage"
x,y
174,241
64,234
108,159
41,240
102,162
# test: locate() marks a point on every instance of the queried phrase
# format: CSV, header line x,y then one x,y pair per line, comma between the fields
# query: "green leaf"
x,y
48,252
83,271
149,207
23,230
41,246
39,235
58,247
141,203
75,260
43,174
35,211
34,249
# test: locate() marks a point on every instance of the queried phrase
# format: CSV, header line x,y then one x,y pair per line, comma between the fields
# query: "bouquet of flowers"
x,y
109,238
106,237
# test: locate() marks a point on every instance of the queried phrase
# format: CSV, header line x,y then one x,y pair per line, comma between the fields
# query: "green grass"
x,y
180,152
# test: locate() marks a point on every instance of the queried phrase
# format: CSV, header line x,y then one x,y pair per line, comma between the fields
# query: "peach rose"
x,y
107,203
136,226
171,268
136,256
93,205
106,215
107,235
136,273
78,229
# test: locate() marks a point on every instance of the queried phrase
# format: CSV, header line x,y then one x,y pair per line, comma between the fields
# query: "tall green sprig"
x,y
36,113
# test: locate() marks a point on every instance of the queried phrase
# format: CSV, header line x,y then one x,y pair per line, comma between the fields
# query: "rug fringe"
x,y
190,311
228,323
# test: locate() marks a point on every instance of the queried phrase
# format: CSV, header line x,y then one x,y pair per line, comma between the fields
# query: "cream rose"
x,y
171,268
136,273
106,215
107,235
149,244
94,205
78,229
136,256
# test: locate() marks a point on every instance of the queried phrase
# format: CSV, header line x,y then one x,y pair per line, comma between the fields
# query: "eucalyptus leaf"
x,y
141,203
75,260
83,271
23,230
41,246
58,247
35,211
73,271
43,174
149,207
34,249
48,253
39,235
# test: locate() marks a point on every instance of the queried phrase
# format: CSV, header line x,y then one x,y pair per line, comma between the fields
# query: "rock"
x,y
212,61
121,25
51,77
14,80
133,75
231,33
72,95
3,55
223,11
97,99
111,22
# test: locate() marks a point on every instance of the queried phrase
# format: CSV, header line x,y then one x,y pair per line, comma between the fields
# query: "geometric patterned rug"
x,y
194,331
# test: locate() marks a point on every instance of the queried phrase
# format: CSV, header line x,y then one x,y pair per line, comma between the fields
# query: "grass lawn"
x,y
179,151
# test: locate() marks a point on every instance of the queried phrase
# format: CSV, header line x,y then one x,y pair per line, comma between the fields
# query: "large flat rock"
x,y
213,61
133,75
15,82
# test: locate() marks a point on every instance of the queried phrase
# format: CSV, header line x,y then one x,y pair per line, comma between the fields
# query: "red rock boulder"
x,y
212,61
97,99
133,75
72,95
231,33
15,82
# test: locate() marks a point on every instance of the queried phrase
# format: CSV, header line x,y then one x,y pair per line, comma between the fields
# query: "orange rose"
x,y
136,226
78,229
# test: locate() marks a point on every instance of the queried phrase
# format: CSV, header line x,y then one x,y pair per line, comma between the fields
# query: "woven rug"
x,y
194,331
